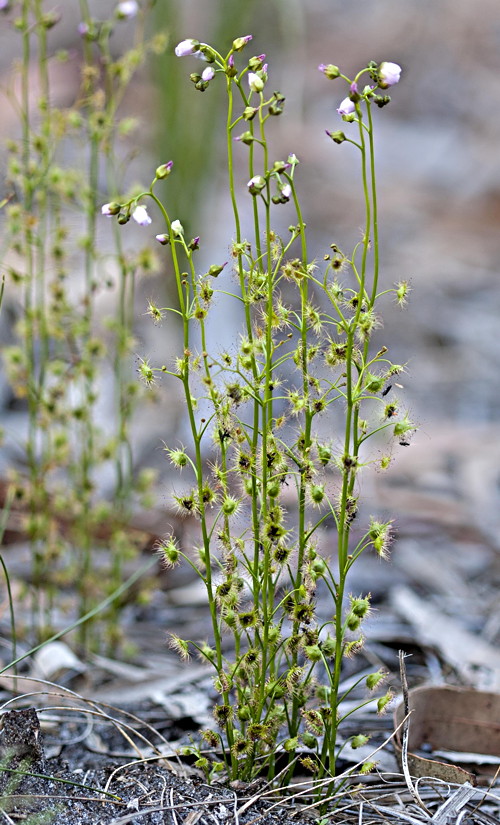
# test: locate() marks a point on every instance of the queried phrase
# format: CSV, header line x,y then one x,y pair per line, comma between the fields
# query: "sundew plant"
x,y
262,479
56,277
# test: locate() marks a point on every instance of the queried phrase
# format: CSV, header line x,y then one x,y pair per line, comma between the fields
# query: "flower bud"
x,y
231,70
110,209
241,42
127,9
388,74
256,63
246,137
256,184
329,70
255,82
337,137
186,47
249,113
208,74
50,19
163,239
164,170
177,229
83,29
280,166
216,269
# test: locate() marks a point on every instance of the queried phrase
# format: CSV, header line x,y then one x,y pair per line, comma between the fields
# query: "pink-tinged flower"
x,y
127,9
286,191
388,74
207,74
163,239
140,216
83,28
255,82
347,107
186,47
354,88
110,209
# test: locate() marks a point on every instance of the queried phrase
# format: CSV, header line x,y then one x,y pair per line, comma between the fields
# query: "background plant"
x,y
305,349
65,347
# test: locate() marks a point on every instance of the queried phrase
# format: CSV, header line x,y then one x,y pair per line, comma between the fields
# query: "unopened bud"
x,y
329,70
256,184
337,137
255,82
164,170
241,42
110,209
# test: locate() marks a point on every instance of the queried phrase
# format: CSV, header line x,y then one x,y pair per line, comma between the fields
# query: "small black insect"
x,y
387,389
404,443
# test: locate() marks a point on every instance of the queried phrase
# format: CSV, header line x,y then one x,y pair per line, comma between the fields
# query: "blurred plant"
x,y
261,567
65,348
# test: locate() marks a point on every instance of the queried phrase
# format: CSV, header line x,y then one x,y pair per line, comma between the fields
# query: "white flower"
x,y
186,47
286,190
388,74
347,107
177,229
255,82
127,9
140,215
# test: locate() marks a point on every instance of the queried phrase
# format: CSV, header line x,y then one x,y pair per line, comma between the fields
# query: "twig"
x,y
453,804
406,729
